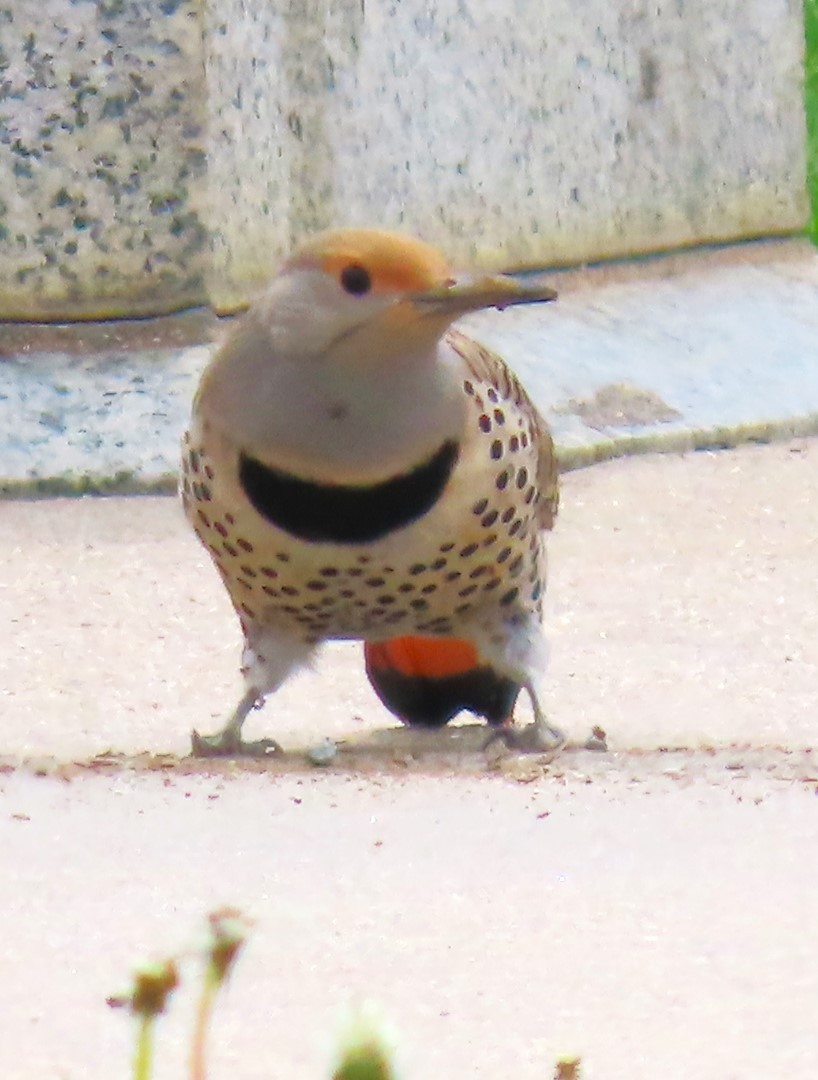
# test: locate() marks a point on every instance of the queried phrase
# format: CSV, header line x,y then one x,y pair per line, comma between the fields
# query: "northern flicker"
x,y
359,469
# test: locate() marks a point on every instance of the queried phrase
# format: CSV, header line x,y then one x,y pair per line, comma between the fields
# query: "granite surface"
x,y
102,158
500,132
702,350
160,153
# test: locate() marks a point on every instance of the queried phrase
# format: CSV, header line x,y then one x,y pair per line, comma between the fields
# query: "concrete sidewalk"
x,y
700,349
651,908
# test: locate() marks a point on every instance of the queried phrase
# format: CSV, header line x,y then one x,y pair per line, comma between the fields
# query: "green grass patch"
x,y
811,95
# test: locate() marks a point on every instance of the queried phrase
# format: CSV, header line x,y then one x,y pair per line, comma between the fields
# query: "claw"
x,y
538,738
533,739
229,743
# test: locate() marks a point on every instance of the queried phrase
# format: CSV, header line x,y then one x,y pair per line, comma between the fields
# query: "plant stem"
x,y
143,1057
202,1025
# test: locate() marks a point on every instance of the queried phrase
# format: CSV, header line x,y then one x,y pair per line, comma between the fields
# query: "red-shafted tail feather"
x,y
427,681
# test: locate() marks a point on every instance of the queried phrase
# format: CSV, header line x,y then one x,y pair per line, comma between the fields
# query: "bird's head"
x,y
337,369
354,291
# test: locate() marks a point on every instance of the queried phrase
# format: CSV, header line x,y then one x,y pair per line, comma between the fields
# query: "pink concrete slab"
x,y
659,930
650,909
683,610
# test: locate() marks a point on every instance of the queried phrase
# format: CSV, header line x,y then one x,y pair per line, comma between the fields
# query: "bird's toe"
x,y
230,744
532,739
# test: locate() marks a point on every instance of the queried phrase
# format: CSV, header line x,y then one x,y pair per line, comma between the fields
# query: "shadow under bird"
x,y
359,469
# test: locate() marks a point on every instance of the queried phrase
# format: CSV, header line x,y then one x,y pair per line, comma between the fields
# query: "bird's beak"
x,y
460,295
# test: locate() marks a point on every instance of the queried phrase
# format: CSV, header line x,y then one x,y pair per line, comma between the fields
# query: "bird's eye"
x,y
356,280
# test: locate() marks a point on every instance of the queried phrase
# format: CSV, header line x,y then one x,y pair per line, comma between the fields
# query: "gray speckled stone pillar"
x,y
102,159
508,131
511,132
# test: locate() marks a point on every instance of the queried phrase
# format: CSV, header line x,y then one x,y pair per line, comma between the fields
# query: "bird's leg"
x,y
269,657
228,742
537,738
523,652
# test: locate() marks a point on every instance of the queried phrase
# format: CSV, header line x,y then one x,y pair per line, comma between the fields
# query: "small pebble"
x,y
324,753
597,740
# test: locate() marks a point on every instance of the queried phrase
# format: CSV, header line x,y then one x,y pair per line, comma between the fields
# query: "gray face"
x,y
368,404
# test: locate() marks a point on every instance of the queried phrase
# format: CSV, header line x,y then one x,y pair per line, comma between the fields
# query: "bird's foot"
x,y
229,743
533,739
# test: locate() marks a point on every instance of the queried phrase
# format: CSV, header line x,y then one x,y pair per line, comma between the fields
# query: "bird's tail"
x,y
426,681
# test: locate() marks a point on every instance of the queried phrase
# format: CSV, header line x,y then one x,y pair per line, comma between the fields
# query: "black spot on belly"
x,y
334,513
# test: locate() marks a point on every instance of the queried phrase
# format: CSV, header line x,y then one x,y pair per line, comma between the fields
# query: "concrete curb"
x,y
700,350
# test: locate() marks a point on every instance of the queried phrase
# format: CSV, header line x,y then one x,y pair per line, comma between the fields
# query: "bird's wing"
x,y
492,370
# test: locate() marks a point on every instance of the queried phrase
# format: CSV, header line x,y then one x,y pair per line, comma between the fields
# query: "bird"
x,y
359,468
